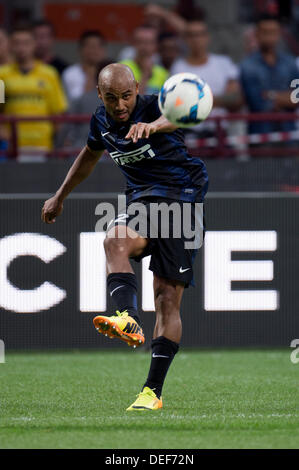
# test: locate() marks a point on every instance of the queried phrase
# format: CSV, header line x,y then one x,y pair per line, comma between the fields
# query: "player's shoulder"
x,y
100,109
147,107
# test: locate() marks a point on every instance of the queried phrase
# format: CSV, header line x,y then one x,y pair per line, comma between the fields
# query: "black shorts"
x,y
173,244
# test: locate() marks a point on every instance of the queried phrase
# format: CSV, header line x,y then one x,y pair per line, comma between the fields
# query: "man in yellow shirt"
x,y
31,89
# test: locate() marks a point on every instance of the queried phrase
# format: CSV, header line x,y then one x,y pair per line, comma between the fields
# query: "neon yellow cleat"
x,y
147,400
120,326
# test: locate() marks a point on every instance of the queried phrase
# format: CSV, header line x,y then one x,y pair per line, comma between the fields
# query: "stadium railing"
x,y
222,143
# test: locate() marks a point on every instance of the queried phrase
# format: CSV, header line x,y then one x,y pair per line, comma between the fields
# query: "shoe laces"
x,y
123,314
120,314
146,392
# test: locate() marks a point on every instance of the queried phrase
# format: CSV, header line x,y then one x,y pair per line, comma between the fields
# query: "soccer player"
x,y
151,153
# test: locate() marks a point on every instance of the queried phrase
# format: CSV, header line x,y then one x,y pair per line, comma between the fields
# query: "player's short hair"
x,y
44,22
267,17
92,33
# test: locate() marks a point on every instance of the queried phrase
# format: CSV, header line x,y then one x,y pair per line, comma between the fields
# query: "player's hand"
x,y
52,209
141,130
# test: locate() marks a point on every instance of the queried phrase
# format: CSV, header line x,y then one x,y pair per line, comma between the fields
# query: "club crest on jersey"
x,y
125,158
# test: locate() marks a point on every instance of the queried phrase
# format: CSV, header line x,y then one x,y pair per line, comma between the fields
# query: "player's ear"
x,y
99,93
137,88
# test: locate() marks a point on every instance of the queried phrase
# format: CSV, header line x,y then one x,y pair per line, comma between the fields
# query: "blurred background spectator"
x,y
79,78
173,20
294,26
73,136
149,75
250,10
157,40
146,33
31,89
266,76
5,56
168,49
45,43
286,10
219,71
165,21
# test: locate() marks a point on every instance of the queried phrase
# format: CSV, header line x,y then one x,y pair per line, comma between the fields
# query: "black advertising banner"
x,y
53,277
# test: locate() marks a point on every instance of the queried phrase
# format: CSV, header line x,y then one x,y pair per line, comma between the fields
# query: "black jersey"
x,y
157,166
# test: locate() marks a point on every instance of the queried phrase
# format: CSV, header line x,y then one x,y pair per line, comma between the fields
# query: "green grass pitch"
x,y
212,399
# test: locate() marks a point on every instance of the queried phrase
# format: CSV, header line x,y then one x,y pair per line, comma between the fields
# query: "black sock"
x,y
161,346
123,290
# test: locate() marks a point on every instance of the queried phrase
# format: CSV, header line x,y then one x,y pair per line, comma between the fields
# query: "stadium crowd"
x,y
40,83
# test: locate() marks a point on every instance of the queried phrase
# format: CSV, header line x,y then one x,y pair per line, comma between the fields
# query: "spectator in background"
x,y
266,76
31,89
168,49
166,20
79,78
45,41
149,75
294,25
129,52
74,135
249,40
163,21
217,70
5,56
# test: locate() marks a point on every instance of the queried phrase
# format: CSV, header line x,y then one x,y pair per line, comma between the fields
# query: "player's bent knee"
x,y
118,232
115,247
127,247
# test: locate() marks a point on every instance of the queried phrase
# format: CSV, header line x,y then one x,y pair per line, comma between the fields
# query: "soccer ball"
x,y
185,100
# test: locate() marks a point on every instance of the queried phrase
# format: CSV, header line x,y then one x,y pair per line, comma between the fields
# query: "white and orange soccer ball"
x,y
185,99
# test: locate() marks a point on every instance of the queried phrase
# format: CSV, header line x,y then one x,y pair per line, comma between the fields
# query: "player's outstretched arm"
x,y
81,168
142,130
